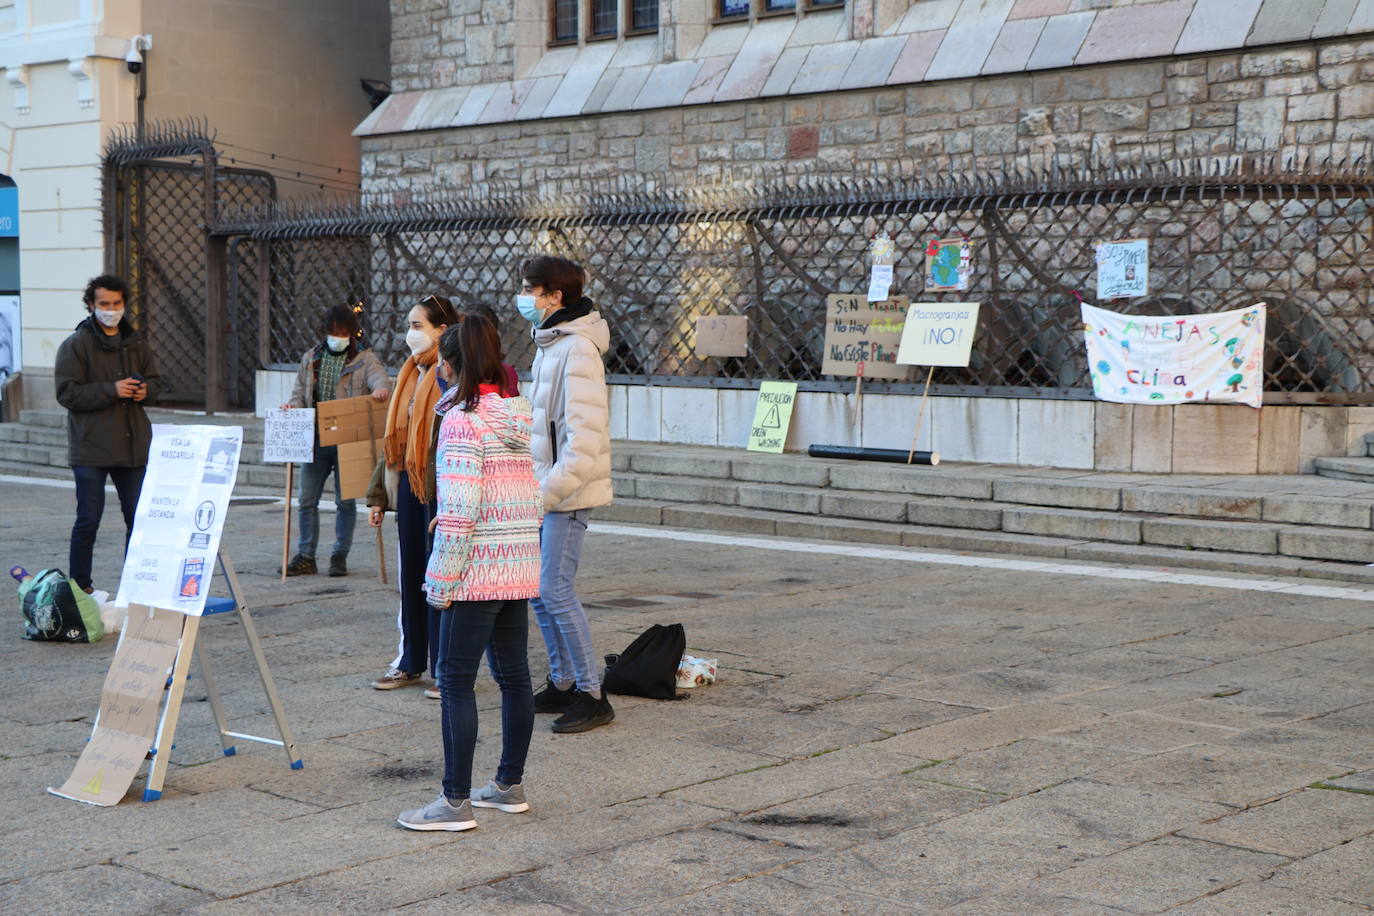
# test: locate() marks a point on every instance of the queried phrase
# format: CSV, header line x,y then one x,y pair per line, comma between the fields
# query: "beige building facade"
x,y
278,83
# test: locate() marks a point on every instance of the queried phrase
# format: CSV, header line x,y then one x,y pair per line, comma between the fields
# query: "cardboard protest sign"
x,y
772,416
289,436
722,335
949,264
357,426
938,334
1176,359
180,516
859,332
130,704
1123,269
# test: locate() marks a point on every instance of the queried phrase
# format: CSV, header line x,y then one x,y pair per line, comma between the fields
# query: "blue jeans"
x,y
567,635
313,476
467,629
90,506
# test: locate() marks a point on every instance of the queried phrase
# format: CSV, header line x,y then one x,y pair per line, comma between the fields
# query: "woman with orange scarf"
x,y
404,482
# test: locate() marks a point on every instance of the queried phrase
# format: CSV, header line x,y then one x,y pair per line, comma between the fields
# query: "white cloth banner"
x,y
1176,359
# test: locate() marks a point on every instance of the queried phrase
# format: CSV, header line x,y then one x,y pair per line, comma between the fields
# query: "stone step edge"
x,y
735,520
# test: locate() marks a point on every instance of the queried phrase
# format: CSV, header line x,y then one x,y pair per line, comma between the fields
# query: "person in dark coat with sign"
x,y
104,374
335,368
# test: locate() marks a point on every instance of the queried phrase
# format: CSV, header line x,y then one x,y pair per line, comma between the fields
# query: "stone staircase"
x,y
1359,469
1271,525
1308,525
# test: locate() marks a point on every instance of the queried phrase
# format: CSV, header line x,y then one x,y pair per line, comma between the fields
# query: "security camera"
x,y
137,45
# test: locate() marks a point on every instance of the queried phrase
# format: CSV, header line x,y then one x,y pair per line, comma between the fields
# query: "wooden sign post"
x,y
936,334
288,435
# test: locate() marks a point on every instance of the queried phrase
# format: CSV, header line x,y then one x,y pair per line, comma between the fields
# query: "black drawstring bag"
x,y
648,666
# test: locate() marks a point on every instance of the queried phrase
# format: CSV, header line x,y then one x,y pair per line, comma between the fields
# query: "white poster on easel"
x,y
180,517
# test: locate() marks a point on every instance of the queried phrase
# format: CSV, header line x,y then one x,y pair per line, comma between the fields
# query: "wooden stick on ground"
x,y
372,444
286,521
920,417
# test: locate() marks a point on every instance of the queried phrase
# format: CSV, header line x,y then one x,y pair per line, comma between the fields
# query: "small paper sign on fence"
x,y
722,335
1123,269
289,436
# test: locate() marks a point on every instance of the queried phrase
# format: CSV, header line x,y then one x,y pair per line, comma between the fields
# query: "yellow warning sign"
x,y
772,416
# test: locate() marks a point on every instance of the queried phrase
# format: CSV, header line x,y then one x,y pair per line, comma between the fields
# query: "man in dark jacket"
x,y
104,374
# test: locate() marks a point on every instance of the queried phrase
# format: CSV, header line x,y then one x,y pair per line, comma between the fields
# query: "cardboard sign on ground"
x,y
861,332
722,335
772,416
130,704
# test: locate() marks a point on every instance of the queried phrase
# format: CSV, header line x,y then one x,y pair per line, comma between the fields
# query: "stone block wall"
x,y
1310,94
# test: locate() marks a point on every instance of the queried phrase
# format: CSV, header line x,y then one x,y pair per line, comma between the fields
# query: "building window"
x,y
564,21
643,15
731,10
603,18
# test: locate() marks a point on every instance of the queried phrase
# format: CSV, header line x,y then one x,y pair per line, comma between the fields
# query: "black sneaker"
x,y
301,565
338,565
551,699
585,713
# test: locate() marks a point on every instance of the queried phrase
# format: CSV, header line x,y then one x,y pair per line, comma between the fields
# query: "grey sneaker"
x,y
395,677
492,795
439,815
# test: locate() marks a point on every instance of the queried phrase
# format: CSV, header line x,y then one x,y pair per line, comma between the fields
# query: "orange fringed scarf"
x,y
408,437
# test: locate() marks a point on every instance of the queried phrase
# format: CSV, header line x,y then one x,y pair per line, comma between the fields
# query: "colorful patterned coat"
x,y
486,543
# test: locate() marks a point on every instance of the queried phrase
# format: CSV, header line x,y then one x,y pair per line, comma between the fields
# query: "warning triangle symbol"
x,y
96,783
771,420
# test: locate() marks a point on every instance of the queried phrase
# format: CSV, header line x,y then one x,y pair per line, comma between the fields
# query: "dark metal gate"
x,y
163,195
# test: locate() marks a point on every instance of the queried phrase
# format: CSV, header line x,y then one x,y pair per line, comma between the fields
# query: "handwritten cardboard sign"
x,y
938,334
180,516
289,435
863,333
1123,269
352,424
772,416
130,704
722,335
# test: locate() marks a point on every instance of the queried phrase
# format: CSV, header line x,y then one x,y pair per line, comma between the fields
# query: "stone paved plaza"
x,y
891,733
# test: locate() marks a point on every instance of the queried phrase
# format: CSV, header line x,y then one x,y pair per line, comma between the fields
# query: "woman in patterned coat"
x,y
483,569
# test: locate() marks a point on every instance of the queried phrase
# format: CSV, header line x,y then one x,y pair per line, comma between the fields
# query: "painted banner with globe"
x,y
1176,359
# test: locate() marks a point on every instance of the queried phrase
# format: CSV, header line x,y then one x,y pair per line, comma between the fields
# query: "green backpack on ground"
x,y
56,609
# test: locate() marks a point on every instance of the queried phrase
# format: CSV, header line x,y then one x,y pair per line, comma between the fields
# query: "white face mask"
x,y
109,317
336,344
418,341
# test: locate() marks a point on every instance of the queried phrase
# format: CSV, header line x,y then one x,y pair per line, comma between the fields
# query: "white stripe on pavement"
x,y
1133,573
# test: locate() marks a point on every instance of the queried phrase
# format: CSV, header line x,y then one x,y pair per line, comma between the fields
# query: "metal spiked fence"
x,y
1225,230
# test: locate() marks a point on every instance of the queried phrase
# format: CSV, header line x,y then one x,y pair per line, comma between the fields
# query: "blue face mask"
x,y
528,309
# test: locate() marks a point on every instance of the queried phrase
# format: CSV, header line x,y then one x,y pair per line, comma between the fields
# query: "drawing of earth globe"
x,y
1104,367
